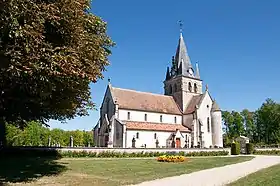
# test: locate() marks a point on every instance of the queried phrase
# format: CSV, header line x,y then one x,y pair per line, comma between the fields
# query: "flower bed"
x,y
165,158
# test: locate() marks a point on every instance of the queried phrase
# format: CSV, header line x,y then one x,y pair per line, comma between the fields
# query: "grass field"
x,y
98,172
266,177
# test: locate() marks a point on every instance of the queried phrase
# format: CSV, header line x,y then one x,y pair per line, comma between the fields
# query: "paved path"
x,y
217,176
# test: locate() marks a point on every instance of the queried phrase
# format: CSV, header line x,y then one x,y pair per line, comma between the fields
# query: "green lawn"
x,y
266,177
98,172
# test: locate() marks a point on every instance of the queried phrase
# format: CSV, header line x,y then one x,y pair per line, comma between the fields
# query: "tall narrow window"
x,y
155,136
145,117
128,115
170,89
190,87
175,119
195,88
175,88
208,124
160,118
137,135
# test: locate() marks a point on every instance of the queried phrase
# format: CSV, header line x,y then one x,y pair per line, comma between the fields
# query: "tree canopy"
x,y
261,126
50,51
35,134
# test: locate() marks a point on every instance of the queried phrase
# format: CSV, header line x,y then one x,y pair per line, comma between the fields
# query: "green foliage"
x,y
267,152
50,51
111,154
249,148
235,148
261,126
35,134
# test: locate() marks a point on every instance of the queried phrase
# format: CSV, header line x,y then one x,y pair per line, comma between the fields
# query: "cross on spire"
x,y
180,25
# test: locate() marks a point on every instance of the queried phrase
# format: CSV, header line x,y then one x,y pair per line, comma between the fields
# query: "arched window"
x,y
170,89
190,87
137,135
155,136
195,88
208,124
160,118
175,88
175,119
145,117
128,115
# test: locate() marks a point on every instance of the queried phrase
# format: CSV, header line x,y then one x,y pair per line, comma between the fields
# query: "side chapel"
x,y
184,117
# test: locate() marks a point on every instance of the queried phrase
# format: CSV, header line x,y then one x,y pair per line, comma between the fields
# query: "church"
x,y
184,117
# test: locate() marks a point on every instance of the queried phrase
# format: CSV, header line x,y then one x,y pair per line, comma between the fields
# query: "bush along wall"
x,y
235,148
249,148
267,152
111,154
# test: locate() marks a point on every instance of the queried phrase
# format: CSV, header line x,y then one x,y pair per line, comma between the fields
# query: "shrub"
x,y
44,152
249,148
208,153
267,152
166,158
235,148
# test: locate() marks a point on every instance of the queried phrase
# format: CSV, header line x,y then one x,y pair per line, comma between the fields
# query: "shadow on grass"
x,y
22,166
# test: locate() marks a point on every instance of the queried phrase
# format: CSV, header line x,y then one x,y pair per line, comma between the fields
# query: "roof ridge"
x,y
143,92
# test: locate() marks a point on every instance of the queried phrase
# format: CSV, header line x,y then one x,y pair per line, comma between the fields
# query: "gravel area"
x,y
217,176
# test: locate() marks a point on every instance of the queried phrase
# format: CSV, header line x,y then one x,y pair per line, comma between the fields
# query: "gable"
x,y
144,101
206,101
107,95
194,102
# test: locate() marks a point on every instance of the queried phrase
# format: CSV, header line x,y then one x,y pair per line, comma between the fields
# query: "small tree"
x,y
235,148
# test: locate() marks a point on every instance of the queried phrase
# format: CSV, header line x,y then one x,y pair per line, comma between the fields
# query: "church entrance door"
x,y
178,143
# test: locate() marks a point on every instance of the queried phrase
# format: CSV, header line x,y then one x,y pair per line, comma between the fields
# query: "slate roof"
x,y
135,125
196,100
215,107
144,101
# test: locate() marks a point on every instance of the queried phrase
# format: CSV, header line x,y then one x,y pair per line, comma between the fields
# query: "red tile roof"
x,y
143,101
135,125
196,100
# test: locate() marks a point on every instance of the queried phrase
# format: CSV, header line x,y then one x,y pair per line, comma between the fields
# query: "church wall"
x,y
148,138
95,134
203,113
217,128
118,134
151,116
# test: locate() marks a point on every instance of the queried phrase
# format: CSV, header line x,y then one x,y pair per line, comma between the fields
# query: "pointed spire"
x,y
206,87
167,74
197,75
182,59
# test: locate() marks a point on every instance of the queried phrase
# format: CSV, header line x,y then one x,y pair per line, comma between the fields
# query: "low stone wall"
x,y
138,150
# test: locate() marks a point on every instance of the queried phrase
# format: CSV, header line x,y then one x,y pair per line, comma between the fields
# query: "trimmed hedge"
x,y
249,148
111,154
52,152
267,152
28,152
235,148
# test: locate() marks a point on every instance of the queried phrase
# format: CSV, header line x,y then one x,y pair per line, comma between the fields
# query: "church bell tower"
x,y
181,81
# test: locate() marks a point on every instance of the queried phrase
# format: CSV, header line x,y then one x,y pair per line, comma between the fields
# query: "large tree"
x,y
50,51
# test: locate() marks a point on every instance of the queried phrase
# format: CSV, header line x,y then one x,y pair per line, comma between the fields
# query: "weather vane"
x,y
181,26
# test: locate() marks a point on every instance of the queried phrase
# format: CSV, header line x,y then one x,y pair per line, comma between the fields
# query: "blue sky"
x,y
236,43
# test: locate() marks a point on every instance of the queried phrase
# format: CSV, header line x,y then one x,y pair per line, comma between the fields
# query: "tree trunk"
x,y
3,141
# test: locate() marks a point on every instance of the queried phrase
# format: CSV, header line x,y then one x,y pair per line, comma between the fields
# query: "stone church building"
x,y
184,117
